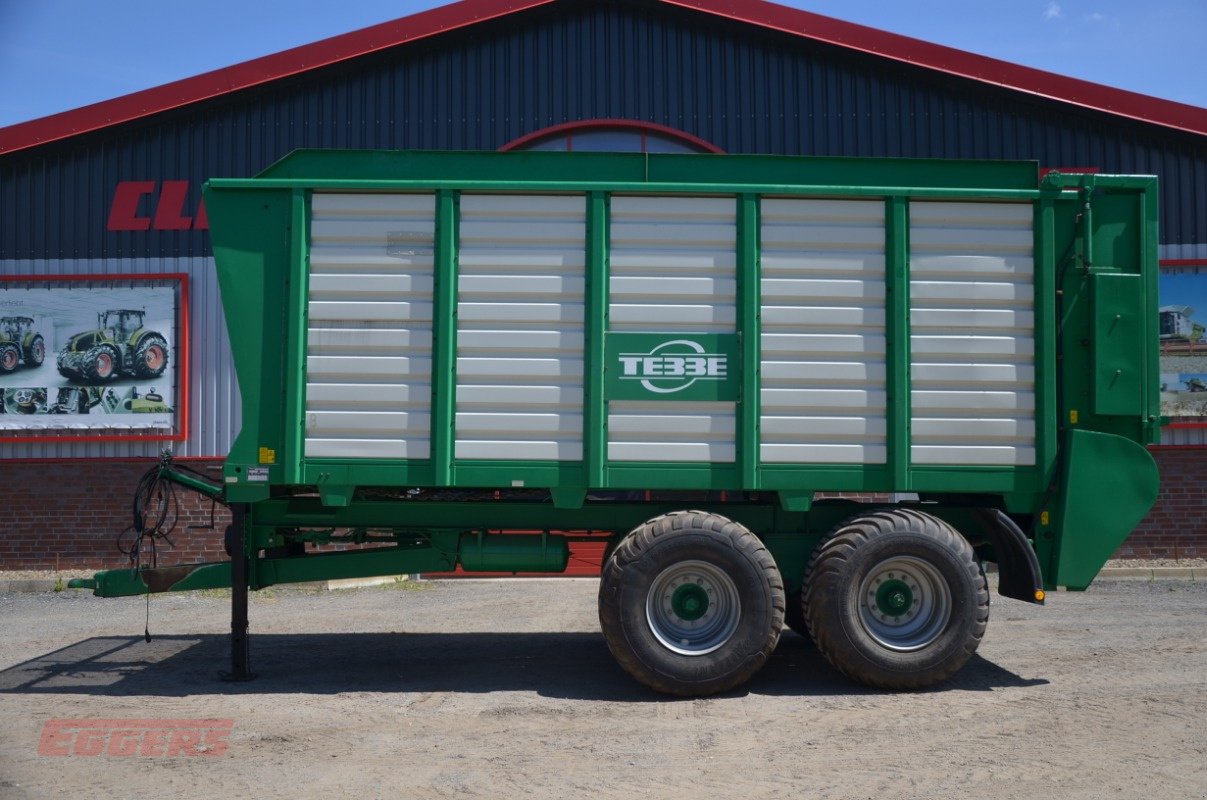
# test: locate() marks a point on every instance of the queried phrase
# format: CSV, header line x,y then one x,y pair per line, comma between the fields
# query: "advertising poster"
x,y
89,358
1183,326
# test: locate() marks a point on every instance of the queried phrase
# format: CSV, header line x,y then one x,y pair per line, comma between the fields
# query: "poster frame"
x,y
180,430
1174,264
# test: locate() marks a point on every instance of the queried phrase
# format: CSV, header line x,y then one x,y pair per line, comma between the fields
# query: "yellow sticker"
x,y
1043,518
268,456
1073,417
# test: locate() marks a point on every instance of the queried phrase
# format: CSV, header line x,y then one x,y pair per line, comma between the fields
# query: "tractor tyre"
x,y
896,599
100,364
10,357
35,354
151,357
691,603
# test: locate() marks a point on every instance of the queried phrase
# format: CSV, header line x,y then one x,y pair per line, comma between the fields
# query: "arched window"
x,y
612,136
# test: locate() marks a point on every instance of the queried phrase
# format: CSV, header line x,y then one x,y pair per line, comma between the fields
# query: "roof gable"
x,y
795,22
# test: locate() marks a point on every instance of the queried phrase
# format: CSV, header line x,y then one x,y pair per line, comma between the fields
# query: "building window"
x,y
612,136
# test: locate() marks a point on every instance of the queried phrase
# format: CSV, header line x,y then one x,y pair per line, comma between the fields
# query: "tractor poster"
x,y
85,357
1183,332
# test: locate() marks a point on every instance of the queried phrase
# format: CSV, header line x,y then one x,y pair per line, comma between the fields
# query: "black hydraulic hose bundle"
x,y
156,509
156,513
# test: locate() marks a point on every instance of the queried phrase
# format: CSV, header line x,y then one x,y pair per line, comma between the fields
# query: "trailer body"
x,y
433,348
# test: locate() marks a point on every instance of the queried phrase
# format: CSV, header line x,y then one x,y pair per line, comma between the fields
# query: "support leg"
x,y
240,655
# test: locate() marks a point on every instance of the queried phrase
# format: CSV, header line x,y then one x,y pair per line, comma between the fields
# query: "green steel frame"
x,y
1085,436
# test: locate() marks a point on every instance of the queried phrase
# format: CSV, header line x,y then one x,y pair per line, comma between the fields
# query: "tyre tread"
x,y
826,566
641,540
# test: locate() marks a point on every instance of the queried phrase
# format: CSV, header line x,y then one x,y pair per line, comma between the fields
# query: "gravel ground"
x,y
505,689
1130,563
1156,563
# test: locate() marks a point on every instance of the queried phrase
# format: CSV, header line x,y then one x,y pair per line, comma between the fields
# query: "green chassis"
x,y
1096,365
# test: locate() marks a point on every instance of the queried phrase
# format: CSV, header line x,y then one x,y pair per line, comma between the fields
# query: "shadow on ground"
x,y
561,665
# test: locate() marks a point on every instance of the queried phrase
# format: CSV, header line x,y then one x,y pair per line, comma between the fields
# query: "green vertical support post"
x,y
295,336
1046,428
1044,228
897,355
750,334
444,338
595,412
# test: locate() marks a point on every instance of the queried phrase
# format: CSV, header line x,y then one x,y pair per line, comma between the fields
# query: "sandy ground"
x,y
505,689
65,575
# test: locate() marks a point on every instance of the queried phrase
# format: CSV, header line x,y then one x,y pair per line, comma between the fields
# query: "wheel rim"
x,y
39,351
154,357
693,608
104,365
9,360
904,603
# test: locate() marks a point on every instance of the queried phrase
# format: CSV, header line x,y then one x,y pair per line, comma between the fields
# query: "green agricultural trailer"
x,y
475,360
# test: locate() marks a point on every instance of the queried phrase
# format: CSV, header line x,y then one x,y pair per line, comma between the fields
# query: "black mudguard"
x,y
1019,575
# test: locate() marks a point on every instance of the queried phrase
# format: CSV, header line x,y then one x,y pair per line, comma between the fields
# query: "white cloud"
x,y
1095,17
1053,11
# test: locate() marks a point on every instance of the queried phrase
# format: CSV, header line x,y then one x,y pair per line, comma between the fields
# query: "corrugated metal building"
x,y
114,188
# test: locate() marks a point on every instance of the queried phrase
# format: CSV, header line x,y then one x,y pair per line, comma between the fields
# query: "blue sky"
x,y
61,54
1186,290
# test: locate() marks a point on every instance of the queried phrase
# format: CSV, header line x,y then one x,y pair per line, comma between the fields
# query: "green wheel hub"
x,y
693,608
690,601
904,603
894,597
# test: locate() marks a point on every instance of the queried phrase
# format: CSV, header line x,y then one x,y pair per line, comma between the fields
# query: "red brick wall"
x,y
67,515
1177,525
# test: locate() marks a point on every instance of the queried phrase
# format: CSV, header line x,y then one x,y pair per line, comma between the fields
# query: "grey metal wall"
x,y
741,88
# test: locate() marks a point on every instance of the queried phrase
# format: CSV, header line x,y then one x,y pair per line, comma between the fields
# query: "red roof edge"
x,y
424,24
949,60
257,71
596,124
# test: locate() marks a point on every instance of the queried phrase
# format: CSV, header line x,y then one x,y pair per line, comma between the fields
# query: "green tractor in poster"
x,y
119,346
19,342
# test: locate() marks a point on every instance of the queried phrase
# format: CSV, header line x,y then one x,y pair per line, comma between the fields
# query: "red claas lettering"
x,y
128,212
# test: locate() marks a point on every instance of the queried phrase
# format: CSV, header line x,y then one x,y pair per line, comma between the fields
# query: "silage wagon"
x,y
690,357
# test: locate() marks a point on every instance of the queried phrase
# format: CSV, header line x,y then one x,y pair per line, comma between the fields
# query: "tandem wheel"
x,y
691,603
896,599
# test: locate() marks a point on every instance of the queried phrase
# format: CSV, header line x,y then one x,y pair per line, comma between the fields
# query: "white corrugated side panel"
x,y
973,333
673,267
520,323
369,337
823,344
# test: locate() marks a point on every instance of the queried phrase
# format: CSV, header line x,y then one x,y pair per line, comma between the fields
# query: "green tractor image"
x,y
119,346
19,342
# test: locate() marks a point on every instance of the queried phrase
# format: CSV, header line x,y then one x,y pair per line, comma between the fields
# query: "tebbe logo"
x,y
168,199
135,737
673,366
